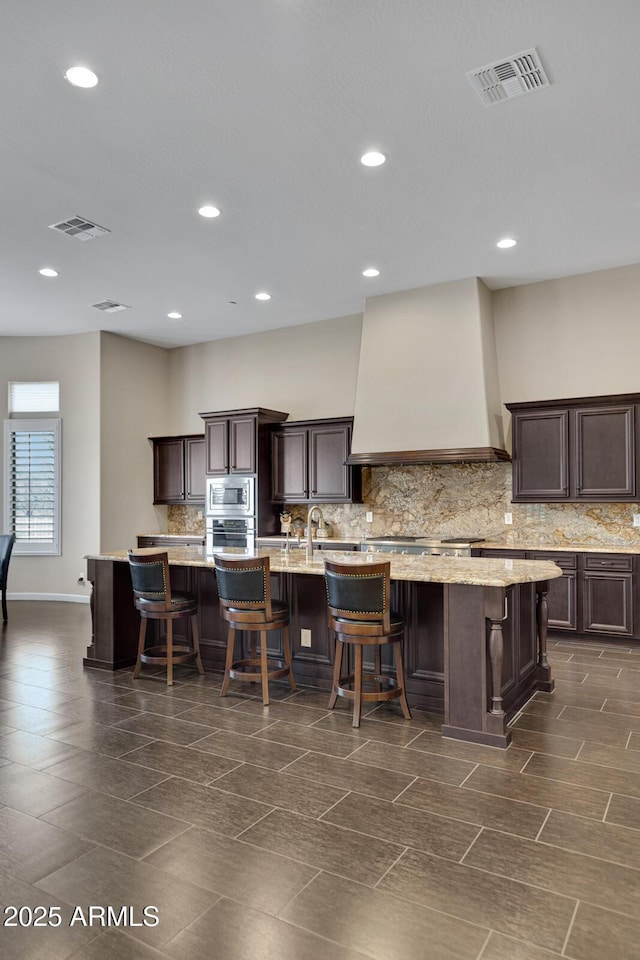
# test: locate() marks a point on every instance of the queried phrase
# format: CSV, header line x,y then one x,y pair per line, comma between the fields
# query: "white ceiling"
x,y
264,107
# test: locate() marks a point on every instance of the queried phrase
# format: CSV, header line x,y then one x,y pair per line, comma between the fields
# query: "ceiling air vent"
x,y
110,306
79,228
509,78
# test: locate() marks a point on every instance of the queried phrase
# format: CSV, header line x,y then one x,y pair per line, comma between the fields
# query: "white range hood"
x,y
427,386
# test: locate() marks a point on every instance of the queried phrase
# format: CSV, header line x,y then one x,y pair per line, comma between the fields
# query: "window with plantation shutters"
x,y
32,484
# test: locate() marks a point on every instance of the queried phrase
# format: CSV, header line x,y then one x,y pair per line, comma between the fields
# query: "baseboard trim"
x,y
63,597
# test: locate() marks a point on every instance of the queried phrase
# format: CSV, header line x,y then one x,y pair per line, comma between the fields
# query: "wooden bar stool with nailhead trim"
x,y
358,598
244,590
154,601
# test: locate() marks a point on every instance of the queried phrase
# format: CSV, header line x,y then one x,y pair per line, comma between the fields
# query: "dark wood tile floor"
x,y
281,832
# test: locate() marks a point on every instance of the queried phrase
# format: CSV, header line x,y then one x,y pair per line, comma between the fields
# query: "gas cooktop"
x,y
395,538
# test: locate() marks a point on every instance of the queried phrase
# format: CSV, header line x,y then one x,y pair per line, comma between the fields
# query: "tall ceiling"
x,y
263,108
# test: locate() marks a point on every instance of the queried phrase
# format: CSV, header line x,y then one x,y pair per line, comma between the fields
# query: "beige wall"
x,y
424,359
307,371
134,405
574,337
75,362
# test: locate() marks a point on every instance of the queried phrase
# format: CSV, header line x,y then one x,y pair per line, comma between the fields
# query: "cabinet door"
x,y
289,464
194,456
242,445
607,605
168,471
605,452
562,599
328,475
217,447
540,455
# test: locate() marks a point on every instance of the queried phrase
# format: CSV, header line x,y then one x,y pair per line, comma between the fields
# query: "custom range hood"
x,y
427,388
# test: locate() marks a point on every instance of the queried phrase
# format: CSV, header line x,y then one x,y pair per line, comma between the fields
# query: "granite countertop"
x,y
531,545
281,538
475,571
174,536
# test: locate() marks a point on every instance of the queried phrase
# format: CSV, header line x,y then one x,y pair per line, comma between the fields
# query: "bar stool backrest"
x,y
7,541
150,577
244,583
359,592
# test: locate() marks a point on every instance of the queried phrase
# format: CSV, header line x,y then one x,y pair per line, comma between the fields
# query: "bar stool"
x,y
154,601
244,589
7,541
358,597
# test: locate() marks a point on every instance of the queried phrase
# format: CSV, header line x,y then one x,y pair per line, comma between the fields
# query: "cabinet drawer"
x,y
566,561
596,561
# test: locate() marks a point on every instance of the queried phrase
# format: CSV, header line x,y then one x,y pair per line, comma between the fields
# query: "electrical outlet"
x,y
636,519
508,518
81,578
305,638
369,516
199,515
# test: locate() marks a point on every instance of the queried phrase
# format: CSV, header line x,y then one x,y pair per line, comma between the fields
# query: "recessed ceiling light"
x,y
506,242
81,77
209,211
371,272
373,159
174,315
263,296
48,272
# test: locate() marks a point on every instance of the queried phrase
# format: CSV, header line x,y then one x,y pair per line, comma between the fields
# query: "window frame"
x,y
32,425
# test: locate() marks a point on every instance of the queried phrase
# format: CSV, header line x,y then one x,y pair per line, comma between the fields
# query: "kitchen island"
x,y
475,628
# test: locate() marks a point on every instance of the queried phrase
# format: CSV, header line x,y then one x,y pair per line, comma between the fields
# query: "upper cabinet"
x,y
308,459
178,469
236,441
576,450
231,445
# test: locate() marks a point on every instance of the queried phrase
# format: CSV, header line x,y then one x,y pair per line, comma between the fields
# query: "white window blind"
x,y
40,397
32,484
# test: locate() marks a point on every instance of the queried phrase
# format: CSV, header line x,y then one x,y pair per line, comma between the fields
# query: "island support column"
x,y
545,680
473,656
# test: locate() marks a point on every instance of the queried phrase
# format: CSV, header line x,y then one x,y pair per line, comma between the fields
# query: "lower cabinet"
x,y
607,595
169,541
596,595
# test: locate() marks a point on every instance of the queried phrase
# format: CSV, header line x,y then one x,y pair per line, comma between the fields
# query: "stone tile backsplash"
x,y
466,499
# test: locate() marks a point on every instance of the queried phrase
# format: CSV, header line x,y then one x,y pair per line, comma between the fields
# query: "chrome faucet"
x,y
312,510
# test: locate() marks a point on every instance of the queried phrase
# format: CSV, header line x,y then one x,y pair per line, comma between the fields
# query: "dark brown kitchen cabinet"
x,y
607,595
178,469
237,441
540,455
576,450
308,460
231,445
595,596
167,541
562,599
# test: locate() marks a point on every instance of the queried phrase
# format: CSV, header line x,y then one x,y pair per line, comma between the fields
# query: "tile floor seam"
x,y
571,922
542,825
462,783
462,858
390,867
484,945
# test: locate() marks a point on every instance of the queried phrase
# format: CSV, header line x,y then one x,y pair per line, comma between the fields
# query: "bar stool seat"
x,y
154,601
244,591
358,598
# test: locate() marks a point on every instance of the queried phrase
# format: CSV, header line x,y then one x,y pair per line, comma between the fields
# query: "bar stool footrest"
x,y
158,655
391,693
275,670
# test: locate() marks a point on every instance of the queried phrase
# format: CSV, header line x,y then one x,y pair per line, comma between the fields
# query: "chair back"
x,y
150,577
359,592
7,541
244,583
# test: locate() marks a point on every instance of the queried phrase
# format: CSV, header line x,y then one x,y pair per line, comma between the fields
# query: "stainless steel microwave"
x,y
232,496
